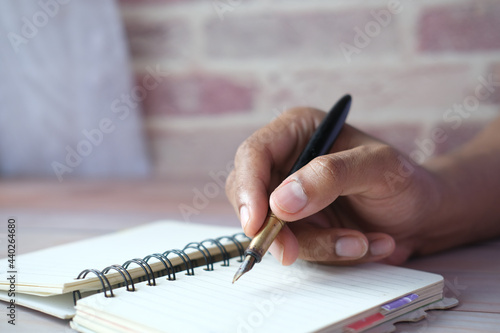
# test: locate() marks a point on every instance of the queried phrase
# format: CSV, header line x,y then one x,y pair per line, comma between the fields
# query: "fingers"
x,y
262,162
331,245
249,197
359,170
334,246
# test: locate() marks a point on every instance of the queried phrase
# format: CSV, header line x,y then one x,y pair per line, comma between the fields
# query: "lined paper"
x,y
301,297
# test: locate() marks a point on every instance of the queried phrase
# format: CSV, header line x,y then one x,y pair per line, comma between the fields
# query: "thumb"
x,y
362,169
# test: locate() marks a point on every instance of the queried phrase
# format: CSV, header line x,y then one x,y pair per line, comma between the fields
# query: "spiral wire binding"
x,y
164,260
101,277
169,267
184,257
143,265
122,271
222,249
204,251
238,244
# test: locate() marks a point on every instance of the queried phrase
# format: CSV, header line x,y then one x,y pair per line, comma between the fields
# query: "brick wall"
x,y
210,72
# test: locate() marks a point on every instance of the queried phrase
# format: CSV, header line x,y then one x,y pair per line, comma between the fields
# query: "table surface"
x,y
49,213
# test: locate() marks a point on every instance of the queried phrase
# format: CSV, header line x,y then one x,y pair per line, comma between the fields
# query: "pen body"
x,y
322,139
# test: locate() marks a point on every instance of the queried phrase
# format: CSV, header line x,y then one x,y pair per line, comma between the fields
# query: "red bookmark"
x,y
360,324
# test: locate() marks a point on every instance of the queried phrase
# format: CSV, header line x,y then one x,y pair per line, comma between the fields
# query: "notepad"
x,y
303,297
47,278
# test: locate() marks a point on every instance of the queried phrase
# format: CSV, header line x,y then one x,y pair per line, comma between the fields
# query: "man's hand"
x,y
362,202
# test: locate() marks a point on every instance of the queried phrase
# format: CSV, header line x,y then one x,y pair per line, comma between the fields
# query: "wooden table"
x,y
54,213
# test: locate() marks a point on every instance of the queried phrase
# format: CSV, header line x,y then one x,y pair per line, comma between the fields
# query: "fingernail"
x,y
276,250
244,216
380,247
290,197
352,247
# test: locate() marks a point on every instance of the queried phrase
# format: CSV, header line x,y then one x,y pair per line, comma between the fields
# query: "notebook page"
x,y
47,271
272,298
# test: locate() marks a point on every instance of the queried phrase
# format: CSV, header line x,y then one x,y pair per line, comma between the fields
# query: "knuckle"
x,y
395,170
308,249
251,147
385,151
329,167
245,153
382,154
391,157
319,248
243,148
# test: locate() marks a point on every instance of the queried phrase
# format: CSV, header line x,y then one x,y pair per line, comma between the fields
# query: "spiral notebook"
x,y
172,277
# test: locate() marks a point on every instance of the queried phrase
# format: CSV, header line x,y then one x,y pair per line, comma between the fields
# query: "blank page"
x,y
271,298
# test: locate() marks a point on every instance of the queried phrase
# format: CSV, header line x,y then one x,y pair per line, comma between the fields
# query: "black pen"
x,y
319,144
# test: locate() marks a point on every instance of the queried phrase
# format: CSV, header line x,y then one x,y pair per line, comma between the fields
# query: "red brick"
x,y
411,138
460,27
200,94
294,35
170,39
373,89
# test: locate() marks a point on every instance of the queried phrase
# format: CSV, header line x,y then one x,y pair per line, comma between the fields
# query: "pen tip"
x,y
238,274
246,265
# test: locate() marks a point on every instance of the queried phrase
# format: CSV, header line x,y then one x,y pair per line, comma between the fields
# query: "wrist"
x,y
431,212
455,219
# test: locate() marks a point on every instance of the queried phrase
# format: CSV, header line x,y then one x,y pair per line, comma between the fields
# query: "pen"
x,y
320,143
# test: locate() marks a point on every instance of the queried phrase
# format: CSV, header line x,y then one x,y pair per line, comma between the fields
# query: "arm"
x,y
470,178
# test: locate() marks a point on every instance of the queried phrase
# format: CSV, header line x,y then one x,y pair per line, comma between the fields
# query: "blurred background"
x,y
234,64
166,90
178,85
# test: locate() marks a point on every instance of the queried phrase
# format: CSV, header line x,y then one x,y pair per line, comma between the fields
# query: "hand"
x,y
362,202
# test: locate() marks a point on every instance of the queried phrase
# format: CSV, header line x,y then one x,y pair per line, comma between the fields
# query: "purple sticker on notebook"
x,y
399,302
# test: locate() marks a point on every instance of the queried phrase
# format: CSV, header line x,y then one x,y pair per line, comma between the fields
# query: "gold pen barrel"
x,y
264,238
